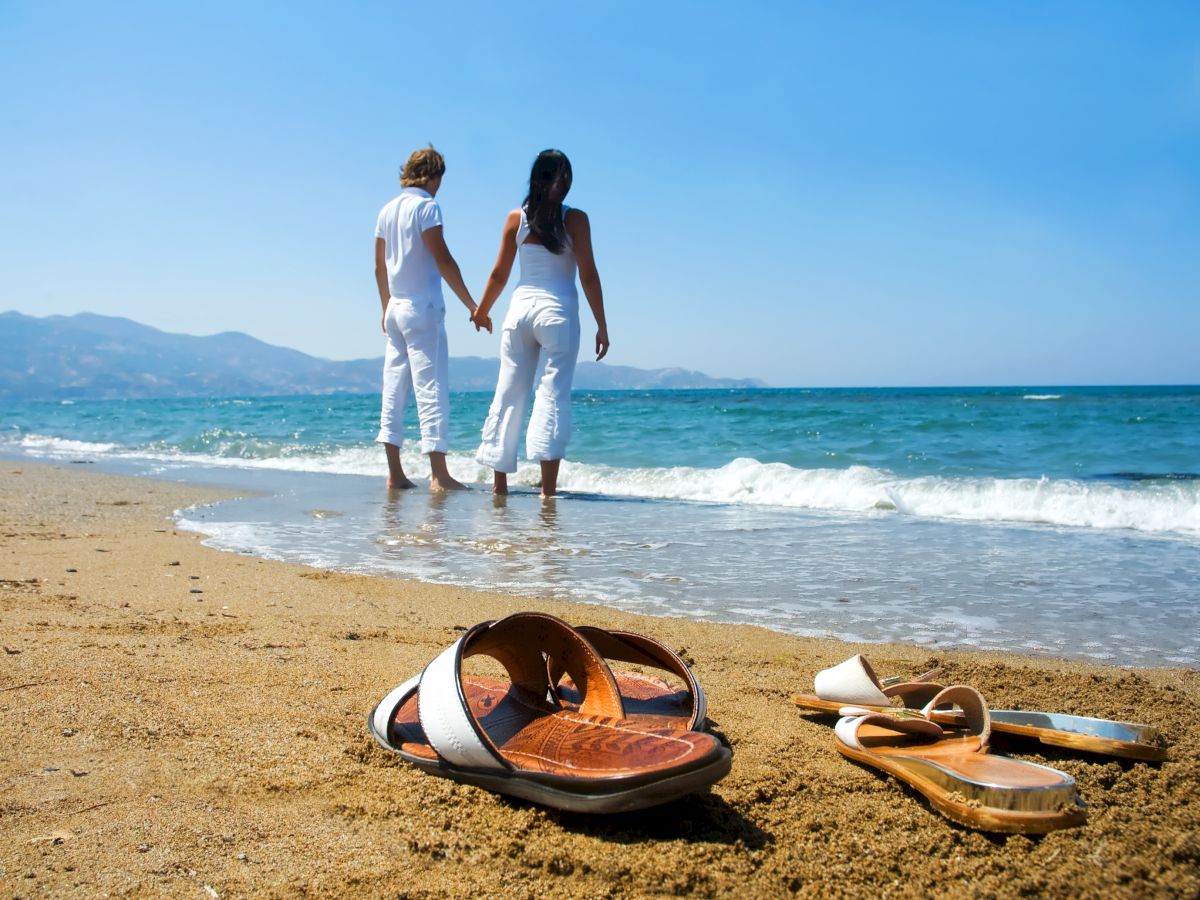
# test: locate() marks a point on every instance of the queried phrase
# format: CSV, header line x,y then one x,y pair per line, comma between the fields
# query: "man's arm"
x,y
435,241
381,279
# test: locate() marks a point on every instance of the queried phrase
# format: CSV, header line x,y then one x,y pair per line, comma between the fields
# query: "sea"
x,y
1050,521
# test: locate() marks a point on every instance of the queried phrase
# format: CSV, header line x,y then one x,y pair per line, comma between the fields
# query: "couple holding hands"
x,y
554,244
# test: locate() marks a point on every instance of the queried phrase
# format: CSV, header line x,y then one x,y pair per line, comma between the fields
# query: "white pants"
x,y
417,359
535,324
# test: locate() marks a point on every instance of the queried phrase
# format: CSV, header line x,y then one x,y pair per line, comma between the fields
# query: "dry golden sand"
x,y
158,740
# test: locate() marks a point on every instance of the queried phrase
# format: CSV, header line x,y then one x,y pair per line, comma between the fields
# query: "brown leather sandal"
x,y
647,698
955,771
516,738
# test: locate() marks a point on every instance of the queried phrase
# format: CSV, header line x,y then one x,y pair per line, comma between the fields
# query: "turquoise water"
x,y
1089,433
1048,520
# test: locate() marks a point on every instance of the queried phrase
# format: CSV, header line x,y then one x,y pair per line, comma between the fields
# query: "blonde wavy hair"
x,y
423,166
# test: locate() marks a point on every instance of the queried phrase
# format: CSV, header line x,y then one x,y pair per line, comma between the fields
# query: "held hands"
x,y
601,343
481,320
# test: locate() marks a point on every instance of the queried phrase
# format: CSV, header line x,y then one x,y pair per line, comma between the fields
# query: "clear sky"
x,y
812,194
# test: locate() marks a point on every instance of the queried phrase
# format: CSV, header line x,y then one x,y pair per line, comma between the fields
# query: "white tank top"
x,y
544,272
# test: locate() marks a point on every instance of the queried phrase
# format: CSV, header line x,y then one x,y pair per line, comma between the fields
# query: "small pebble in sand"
x,y
143,848
72,570
194,577
242,857
173,562
69,732
78,773
196,591
11,651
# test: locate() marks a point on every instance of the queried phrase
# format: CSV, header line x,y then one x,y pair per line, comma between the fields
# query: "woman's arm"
x,y
502,269
580,230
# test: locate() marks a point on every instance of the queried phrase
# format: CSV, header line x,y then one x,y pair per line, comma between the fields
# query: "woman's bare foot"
x,y
500,483
550,477
446,484
402,485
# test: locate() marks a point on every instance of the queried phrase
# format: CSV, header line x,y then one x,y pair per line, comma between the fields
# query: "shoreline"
x,y
166,740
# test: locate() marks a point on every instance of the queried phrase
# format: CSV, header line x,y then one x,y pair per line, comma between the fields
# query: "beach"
x,y
191,722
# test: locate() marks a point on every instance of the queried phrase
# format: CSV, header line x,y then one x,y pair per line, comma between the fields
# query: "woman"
x,y
553,241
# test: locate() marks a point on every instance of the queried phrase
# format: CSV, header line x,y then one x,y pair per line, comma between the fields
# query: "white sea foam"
x,y
59,448
1145,506
1042,397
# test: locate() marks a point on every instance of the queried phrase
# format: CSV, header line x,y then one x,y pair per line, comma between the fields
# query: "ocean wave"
x,y
1158,505
1173,507
61,448
1042,397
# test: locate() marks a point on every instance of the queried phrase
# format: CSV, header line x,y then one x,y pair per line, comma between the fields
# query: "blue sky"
x,y
813,194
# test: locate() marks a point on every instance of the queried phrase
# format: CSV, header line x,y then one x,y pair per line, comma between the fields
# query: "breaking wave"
x,y
1161,505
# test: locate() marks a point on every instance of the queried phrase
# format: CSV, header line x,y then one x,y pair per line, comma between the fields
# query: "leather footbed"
x,y
562,747
648,700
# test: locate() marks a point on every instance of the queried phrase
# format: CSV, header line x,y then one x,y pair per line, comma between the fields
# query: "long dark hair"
x,y
549,181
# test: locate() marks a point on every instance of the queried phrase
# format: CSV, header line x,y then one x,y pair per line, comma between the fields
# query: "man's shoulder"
x,y
390,206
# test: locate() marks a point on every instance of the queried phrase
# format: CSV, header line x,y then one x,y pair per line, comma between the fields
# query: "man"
x,y
411,259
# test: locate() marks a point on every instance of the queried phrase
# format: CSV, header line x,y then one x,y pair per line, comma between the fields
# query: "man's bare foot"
x,y
500,483
397,480
440,478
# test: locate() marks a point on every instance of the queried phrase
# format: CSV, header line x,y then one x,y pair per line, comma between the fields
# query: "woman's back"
x,y
542,271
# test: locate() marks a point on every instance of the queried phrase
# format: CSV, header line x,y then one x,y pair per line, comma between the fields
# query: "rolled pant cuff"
x,y
493,462
385,437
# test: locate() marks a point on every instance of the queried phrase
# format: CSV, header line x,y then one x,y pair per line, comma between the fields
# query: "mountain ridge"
x,y
92,356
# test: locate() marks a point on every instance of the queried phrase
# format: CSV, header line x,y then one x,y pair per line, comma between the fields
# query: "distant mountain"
x,y
92,356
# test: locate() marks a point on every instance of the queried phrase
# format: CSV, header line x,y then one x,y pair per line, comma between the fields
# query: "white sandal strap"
x,y
381,718
852,682
847,727
445,718
520,643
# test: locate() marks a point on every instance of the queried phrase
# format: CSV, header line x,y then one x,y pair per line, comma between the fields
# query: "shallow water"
x,y
1053,521
1116,597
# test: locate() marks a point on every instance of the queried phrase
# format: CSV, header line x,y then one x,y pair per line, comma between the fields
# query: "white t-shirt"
x,y
412,271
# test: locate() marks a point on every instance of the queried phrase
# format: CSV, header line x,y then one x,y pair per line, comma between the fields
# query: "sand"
x,y
182,721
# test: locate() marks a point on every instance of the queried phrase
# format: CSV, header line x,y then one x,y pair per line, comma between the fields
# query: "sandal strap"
x,y
445,717
852,681
855,682
848,726
640,649
518,642
973,706
385,712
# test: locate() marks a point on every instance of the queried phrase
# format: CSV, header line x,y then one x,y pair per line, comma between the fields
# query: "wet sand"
x,y
181,721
